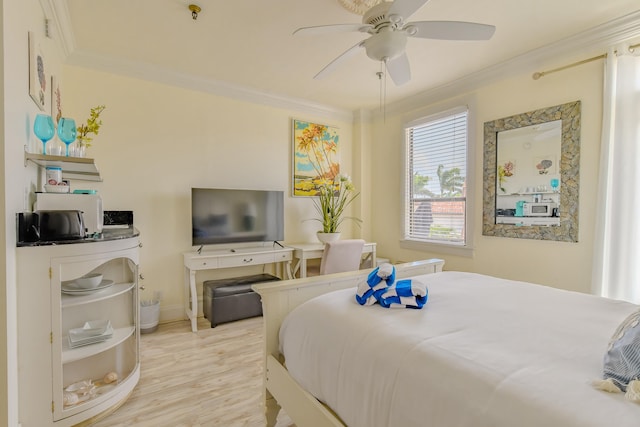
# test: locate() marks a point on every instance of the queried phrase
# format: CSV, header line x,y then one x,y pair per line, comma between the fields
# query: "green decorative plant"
x,y
91,127
334,197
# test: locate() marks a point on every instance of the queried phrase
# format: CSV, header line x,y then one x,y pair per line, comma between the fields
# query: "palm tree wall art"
x,y
316,157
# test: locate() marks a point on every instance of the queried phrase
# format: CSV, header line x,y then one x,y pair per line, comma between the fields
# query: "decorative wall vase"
x,y
328,237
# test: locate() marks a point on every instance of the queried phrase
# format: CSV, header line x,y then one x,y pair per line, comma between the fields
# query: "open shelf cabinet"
x,y
48,310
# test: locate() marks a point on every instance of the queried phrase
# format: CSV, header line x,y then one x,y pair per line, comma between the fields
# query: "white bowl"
x,y
89,281
56,188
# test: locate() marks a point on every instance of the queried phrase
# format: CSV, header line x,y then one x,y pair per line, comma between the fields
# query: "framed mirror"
x,y
531,174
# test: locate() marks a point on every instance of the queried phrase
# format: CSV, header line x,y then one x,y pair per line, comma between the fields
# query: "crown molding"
x,y
599,38
150,72
57,13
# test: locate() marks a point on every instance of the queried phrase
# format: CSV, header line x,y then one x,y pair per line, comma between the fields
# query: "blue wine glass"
x,y
67,131
44,130
555,182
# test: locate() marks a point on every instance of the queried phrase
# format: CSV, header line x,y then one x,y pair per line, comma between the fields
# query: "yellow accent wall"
x,y
157,141
558,264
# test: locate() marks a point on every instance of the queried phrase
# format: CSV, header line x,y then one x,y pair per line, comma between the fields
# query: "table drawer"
x,y
284,256
245,259
203,263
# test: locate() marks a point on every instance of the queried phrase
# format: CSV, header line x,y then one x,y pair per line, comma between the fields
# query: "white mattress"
x,y
482,352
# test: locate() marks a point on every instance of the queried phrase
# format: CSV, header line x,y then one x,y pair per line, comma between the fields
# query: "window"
x,y
436,202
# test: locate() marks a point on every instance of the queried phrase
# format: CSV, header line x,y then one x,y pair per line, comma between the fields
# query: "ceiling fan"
x,y
387,24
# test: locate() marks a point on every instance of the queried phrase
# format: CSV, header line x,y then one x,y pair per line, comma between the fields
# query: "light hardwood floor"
x,y
209,378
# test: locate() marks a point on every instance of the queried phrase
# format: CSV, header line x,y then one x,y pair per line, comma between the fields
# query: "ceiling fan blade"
x,y
331,29
450,30
339,60
406,8
399,69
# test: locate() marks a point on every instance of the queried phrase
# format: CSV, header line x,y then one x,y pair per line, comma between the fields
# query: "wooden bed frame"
x,y
278,299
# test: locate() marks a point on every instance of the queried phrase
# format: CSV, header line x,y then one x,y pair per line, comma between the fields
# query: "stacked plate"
x,y
92,332
72,288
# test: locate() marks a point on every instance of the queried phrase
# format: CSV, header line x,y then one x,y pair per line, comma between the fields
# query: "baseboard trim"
x,y
172,313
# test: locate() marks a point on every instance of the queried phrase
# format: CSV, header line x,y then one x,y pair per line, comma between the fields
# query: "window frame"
x,y
423,117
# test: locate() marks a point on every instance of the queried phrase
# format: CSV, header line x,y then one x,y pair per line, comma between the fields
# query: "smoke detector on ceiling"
x,y
195,10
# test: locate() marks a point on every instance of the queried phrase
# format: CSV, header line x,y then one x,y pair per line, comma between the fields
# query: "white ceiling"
x,y
249,44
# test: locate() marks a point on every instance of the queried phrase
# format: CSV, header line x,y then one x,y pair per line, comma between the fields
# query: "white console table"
x,y
305,251
227,258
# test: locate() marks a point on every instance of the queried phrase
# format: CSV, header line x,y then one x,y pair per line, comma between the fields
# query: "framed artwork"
x,y
37,73
545,165
56,100
315,156
506,169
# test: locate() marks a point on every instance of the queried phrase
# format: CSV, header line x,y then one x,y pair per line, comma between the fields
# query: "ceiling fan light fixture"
x,y
386,45
387,23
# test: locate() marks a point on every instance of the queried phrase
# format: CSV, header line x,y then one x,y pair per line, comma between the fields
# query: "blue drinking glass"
x,y
44,130
67,131
555,182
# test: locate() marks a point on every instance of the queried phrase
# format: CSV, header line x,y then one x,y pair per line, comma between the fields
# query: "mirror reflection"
x,y
528,176
532,174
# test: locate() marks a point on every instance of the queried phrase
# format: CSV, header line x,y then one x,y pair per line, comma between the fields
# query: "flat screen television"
x,y
221,215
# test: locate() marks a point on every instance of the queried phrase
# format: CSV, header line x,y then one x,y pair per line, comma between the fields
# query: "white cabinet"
x,y
47,363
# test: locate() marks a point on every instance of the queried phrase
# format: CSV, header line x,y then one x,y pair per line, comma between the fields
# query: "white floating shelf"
x,y
81,168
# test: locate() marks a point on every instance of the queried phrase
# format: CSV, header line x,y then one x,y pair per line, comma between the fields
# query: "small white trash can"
x,y
149,316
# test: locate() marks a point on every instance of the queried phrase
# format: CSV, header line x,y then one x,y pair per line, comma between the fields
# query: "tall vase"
x,y
328,237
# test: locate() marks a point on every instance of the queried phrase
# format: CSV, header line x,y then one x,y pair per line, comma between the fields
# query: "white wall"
x,y
18,112
559,264
158,141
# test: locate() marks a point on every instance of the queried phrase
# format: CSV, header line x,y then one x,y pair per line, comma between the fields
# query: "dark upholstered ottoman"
x,y
226,300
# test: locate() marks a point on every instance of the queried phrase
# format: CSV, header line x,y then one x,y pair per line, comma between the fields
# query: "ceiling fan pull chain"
x,y
383,89
384,102
379,74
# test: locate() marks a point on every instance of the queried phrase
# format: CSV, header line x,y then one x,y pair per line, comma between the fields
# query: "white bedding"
x,y
482,352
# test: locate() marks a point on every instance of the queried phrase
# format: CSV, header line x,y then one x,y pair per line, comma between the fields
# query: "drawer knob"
x,y
247,260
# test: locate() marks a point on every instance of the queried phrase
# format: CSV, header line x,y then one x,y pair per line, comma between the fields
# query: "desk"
x,y
304,251
227,258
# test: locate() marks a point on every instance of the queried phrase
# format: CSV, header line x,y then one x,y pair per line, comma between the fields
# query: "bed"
x,y
482,352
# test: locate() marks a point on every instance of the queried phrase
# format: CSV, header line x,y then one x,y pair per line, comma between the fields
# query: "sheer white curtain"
x,y
616,271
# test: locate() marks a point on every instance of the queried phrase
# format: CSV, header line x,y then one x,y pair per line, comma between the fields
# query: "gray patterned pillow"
x,y
622,360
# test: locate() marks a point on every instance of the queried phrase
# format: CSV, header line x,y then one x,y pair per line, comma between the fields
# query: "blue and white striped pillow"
x,y
622,361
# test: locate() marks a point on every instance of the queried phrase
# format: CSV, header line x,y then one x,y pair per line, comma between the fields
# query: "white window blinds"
x,y
436,179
